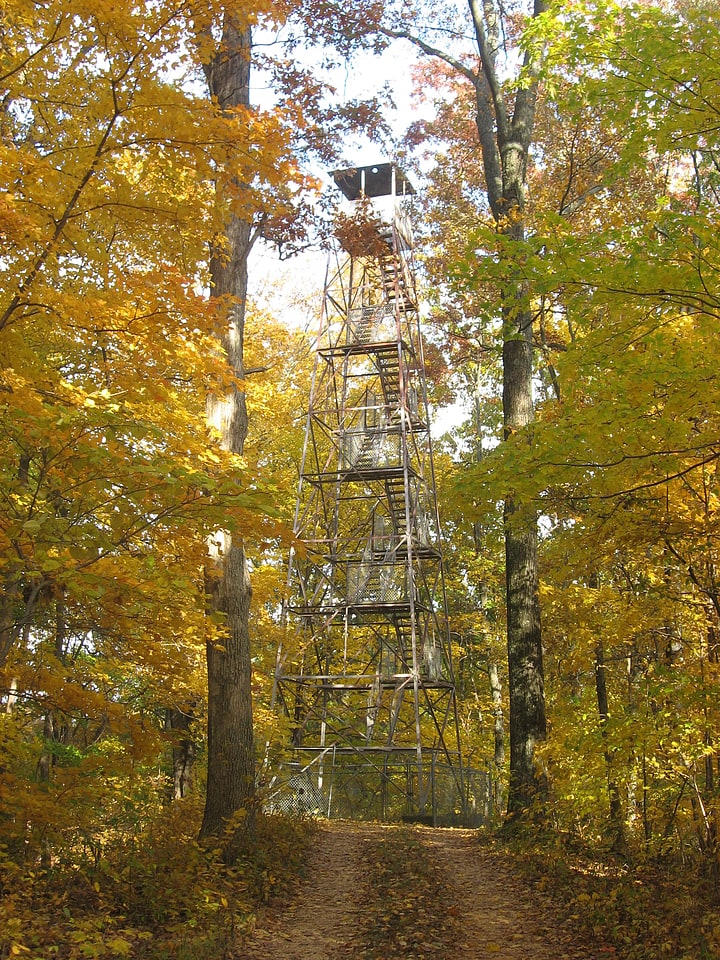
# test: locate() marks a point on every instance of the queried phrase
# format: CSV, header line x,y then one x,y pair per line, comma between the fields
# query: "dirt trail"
x,y
496,915
499,917
321,919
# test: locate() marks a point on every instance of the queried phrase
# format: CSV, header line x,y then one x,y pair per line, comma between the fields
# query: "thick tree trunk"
x,y
525,665
524,641
231,747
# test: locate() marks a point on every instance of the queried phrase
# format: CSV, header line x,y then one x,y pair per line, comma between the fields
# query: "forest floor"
x,y
376,891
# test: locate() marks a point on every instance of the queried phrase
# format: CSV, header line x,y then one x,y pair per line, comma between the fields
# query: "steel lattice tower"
x,y
365,675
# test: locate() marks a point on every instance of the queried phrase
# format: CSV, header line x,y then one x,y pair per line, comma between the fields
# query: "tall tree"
x,y
301,122
108,477
231,745
108,482
504,117
625,455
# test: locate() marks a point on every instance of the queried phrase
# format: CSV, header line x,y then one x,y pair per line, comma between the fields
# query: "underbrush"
x,y
637,908
155,895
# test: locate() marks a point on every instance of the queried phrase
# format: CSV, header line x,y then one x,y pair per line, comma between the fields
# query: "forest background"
x,y
137,176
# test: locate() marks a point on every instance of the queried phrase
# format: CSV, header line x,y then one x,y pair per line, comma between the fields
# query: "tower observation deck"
x,y
364,677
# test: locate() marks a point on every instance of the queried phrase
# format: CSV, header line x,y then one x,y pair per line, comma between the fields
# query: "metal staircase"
x,y
364,676
395,282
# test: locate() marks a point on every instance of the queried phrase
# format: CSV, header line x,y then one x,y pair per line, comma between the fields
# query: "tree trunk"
x,y
499,731
498,792
13,619
10,601
505,142
505,122
183,751
524,641
617,826
231,747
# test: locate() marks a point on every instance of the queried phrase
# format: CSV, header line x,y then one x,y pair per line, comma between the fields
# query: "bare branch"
x,y
433,52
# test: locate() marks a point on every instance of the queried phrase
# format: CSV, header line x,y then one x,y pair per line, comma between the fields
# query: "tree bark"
x,y
10,601
505,131
617,826
499,731
524,640
505,142
231,747
183,750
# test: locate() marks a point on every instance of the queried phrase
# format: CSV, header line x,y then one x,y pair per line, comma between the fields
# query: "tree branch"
x,y
433,52
60,225
487,59
486,103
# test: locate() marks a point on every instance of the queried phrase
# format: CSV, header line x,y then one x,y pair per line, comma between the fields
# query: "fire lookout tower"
x,y
365,676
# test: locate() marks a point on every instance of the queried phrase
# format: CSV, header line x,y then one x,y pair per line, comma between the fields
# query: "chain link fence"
x,y
385,790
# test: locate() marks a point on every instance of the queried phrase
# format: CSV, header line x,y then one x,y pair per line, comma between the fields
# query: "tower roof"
x,y
376,180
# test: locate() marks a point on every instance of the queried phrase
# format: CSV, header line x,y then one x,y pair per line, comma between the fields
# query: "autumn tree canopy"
x,y
586,252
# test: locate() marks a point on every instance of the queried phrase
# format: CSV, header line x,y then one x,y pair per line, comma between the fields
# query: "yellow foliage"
x,y
110,479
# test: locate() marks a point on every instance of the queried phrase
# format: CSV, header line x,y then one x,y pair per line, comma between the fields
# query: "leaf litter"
x,y
380,892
